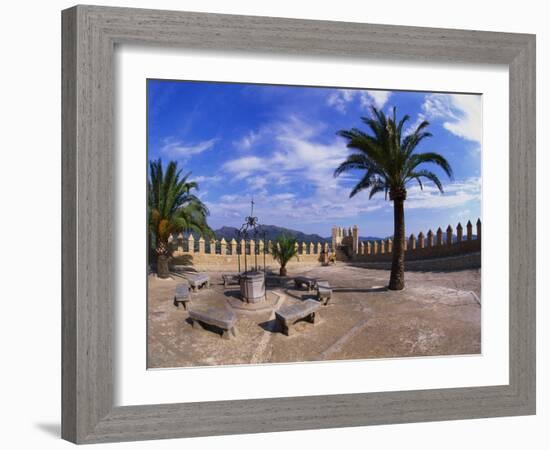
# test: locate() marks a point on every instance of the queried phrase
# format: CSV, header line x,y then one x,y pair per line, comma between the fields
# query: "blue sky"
x,y
278,144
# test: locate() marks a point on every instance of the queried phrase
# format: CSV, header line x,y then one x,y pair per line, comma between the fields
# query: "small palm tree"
x,y
389,163
172,208
284,249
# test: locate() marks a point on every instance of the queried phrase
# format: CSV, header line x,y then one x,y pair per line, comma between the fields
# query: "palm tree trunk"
x,y
162,266
397,277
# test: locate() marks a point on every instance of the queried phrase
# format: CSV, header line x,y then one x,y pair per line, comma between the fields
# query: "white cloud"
x,y
378,98
413,126
206,179
202,195
455,194
248,140
227,198
297,161
178,149
296,212
284,196
242,167
331,203
257,183
460,114
341,98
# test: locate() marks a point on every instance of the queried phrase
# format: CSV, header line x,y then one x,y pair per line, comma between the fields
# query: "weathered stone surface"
x,y
289,315
297,311
196,279
182,295
324,291
222,318
252,286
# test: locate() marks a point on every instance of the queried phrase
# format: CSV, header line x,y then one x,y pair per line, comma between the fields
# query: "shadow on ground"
x,y
270,325
53,429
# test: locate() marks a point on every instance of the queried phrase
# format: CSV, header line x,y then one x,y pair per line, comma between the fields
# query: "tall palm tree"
x,y
172,208
389,163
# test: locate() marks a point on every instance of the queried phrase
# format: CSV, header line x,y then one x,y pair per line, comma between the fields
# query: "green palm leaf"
x,y
284,249
171,205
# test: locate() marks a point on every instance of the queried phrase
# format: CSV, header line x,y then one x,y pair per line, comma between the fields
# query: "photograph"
x,y
290,224
260,225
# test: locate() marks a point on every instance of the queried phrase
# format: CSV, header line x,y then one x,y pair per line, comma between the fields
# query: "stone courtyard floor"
x,y
438,313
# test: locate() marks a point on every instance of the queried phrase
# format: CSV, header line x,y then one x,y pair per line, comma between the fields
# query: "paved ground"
x,y
437,314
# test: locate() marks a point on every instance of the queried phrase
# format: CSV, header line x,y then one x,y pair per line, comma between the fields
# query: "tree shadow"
x,y
273,280
412,267
183,263
366,290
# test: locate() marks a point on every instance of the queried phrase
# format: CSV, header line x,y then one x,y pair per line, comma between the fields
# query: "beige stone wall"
x,y
224,256
416,253
230,263
458,262
230,256
424,246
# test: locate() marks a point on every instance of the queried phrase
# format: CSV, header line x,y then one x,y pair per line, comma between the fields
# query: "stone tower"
x,y
355,237
337,235
347,239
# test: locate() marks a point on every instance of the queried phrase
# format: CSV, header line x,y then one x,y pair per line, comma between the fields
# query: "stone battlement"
x,y
215,254
424,246
223,255
181,245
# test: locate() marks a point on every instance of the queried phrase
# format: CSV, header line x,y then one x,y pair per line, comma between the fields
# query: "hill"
x,y
272,232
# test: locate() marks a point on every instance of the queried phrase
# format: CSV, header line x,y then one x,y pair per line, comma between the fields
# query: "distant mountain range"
x,y
272,232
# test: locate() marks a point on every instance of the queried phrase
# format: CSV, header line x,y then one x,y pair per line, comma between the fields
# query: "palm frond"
x,y
172,206
430,157
378,187
428,175
386,157
284,249
354,161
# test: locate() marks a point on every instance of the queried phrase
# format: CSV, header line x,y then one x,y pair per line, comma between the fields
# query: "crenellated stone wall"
x,y
441,244
230,255
215,254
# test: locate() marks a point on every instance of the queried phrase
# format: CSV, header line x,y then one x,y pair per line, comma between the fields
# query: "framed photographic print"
x,y
267,222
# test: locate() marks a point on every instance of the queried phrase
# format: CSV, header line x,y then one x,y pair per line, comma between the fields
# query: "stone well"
x,y
252,286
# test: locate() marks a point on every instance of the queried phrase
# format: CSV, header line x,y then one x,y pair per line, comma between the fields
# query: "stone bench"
x,y
182,295
289,315
230,279
223,319
324,291
197,279
304,281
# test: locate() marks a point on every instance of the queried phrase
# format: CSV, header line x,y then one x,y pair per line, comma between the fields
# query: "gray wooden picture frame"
x,y
90,34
